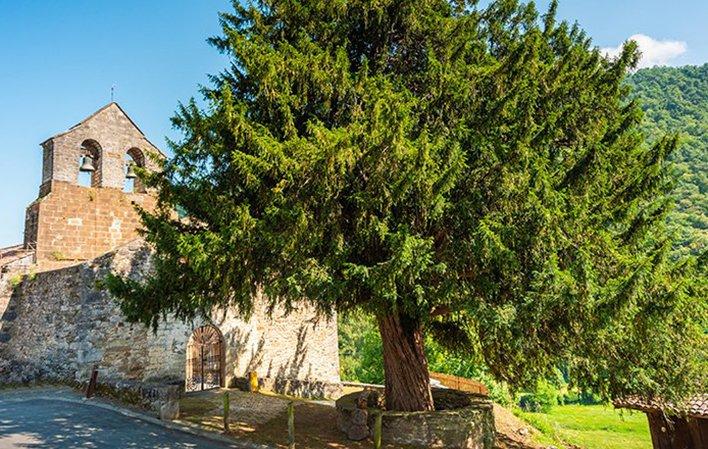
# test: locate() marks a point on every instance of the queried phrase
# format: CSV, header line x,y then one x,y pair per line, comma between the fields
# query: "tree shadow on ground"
x,y
42,424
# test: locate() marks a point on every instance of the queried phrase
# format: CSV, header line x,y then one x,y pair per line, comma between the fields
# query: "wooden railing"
x,y
460,383
10,250
446,380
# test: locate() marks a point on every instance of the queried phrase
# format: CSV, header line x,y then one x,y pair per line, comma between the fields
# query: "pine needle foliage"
x,y
478,172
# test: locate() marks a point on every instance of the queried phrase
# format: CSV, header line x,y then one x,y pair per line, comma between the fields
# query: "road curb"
x,y
180,426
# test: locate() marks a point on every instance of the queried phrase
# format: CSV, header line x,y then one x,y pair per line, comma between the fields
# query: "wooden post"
x,y
378,425
291,425
227,411
201,365
91,388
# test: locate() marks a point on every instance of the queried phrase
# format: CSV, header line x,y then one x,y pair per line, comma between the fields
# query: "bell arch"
x,y
133,158
89,173
205,359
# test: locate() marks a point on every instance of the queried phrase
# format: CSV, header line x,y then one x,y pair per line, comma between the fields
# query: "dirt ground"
x,y
512,432
262,418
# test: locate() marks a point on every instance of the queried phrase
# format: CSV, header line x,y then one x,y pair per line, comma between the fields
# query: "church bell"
x,y
87,164
130,173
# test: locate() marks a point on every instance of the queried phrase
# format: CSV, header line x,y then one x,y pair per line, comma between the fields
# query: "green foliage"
x,y
360,351
675,99
543,399
16,280
570,397
480,174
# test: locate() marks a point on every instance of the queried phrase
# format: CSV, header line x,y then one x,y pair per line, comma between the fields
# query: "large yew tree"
x,y
474,175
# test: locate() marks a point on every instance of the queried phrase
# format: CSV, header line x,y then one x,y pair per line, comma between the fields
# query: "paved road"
x,y
42,424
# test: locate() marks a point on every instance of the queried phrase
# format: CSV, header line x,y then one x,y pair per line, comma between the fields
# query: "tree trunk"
x,y
405,365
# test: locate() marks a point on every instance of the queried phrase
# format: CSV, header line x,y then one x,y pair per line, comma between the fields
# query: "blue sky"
x,y
58,60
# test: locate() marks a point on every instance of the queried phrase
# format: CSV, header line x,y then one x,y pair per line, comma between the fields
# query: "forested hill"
x,y
675,99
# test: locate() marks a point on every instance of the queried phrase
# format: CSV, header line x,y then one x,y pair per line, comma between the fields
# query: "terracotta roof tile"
x,y
696,406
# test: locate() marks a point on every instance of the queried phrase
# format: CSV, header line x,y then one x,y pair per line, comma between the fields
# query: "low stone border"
x,y
181,426
468,423
161,397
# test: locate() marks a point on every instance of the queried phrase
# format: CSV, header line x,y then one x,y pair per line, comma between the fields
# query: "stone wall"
x,y
31,225
73,222
47,161
294,353
59,324
14,263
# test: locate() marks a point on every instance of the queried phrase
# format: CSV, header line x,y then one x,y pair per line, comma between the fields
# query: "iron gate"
x,y
204,359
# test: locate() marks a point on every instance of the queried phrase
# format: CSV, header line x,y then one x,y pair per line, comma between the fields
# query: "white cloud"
x,y
654,52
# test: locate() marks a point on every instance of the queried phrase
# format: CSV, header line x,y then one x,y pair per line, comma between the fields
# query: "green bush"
x,y
360,352
543,399
580,398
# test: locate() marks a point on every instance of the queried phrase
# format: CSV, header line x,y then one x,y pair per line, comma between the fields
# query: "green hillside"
x,y
675,99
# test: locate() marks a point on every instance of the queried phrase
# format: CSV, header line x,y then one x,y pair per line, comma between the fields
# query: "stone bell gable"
x,y
86,202
107,136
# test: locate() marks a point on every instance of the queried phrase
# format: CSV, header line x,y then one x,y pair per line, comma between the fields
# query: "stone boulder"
x,y
169,411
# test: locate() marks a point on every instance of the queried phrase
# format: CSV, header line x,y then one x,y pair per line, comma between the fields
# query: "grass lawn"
x,y
592,427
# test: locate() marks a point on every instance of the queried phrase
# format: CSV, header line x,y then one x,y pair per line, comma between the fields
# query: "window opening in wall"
x,y
84,176
89,163
129,182
133,159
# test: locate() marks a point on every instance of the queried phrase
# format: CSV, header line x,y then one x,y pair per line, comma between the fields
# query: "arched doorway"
x,y
205,356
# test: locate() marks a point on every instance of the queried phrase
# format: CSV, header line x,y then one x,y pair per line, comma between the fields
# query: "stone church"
x,y
59,324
